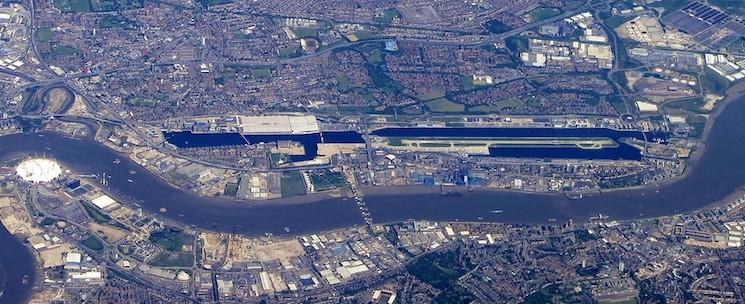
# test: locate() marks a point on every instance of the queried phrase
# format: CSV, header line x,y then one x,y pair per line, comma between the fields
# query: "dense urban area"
x,y
286,103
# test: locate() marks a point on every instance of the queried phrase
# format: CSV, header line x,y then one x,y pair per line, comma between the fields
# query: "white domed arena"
x,y
38,170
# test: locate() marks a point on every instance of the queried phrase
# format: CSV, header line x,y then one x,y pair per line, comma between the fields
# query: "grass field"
x,y
44,34
616,21
382,80
442,271
95,214
439,269
206,3
63,49
698,123
292,184
289,52
168,259
712,82
375,57
443,105
93,243
142,102
495,26
517,44
694,104
429,96
67,6
328,180
115,5
231,189
618,104
360,35
261,72
543,13
305,32
171,239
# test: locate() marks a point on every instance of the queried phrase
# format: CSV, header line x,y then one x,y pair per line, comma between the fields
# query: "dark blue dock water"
x,y
187,139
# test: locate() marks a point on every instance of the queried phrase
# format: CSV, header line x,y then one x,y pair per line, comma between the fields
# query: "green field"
x,y
430,96
292,184
93,243
698,123
517,44
694,104
553,293
261,73
361,35
375,57
496,27
206,3
327,180
620,182
443,105
543,13
115,5
171,239
289,52
382,80
305,32
616,21
231,189
395,141
440,270
67,6
466,83
83,6
44,34
141,102
63,49
712,82
169,259
454,294
95,213
618,104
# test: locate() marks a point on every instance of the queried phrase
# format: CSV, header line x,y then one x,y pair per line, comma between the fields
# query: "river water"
x,y
17,269
718,172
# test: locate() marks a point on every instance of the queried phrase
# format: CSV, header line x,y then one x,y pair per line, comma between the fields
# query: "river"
x,y
718,172
715,174
17,269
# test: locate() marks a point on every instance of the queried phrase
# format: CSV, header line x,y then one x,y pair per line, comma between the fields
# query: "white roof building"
x,y
38,170
105,202
278,124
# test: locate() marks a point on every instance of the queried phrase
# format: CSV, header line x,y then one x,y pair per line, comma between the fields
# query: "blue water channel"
x,y
187,139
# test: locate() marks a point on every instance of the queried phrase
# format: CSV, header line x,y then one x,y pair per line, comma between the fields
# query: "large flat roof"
x,y
104,202
277,124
